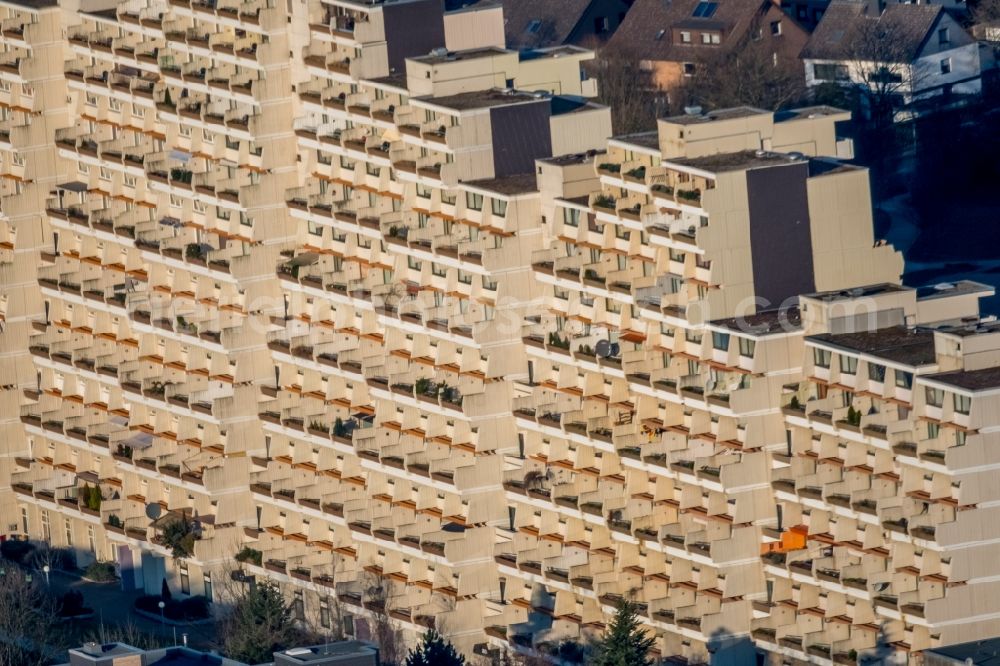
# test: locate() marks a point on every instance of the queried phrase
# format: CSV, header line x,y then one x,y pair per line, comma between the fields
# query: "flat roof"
x,y
101,650
982,653
572,158
397,80
912,347
482,99
949,289
764,323
746,159
507,185
972,328
322,652
33,4
457,56
642,139
807,112
857,292
551,52
719,114
970,380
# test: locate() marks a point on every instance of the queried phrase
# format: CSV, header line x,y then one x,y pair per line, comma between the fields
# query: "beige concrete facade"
x,y
426,323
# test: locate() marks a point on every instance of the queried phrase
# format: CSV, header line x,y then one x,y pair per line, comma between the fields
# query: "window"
x,y
685,37
46,526
830,72
533,26
138,111
962,403
601,24
413,263
423,191
324,614
571,217
904,380
720,341
448,198
775,28
716,38
821,357
498,207
944,37
693,367
933,430
747,347
706,38
69,531
876,372
474,201
848,365
959,438
689,69
299,606
946,65
91,539
704,9
934,396
24,519
315,229
207,587
185,578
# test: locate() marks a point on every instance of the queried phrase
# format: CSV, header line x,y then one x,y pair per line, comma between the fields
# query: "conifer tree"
x,y
624,643
434,650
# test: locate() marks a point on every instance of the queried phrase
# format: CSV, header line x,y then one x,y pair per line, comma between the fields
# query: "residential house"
x,y
529,24
674,38
905,54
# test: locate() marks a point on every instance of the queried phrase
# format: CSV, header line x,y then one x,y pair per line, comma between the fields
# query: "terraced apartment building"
x,y
341,292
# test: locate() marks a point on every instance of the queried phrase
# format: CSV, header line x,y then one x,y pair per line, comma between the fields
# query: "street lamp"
x,y
45,570
162,605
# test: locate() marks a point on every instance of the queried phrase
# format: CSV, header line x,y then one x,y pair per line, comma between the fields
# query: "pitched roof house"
x,y
533,24
912,53
674,38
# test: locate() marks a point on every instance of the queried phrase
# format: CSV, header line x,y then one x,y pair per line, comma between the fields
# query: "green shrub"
x,y
248,554
16,551
101,572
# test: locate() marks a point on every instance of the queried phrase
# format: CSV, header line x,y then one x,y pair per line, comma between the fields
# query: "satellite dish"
x,y
615,349
603,348
153,510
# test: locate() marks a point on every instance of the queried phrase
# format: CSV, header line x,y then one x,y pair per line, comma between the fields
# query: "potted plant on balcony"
x,y
179,536
319,429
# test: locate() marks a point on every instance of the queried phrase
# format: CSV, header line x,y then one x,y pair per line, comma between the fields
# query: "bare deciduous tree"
x,y
29,620
881,58
985,11
627,88
127,633
749,75
378,594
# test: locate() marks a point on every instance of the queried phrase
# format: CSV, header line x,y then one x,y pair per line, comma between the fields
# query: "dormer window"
x,y
685,37
705,9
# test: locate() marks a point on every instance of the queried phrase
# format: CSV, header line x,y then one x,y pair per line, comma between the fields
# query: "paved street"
x,y
112,606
